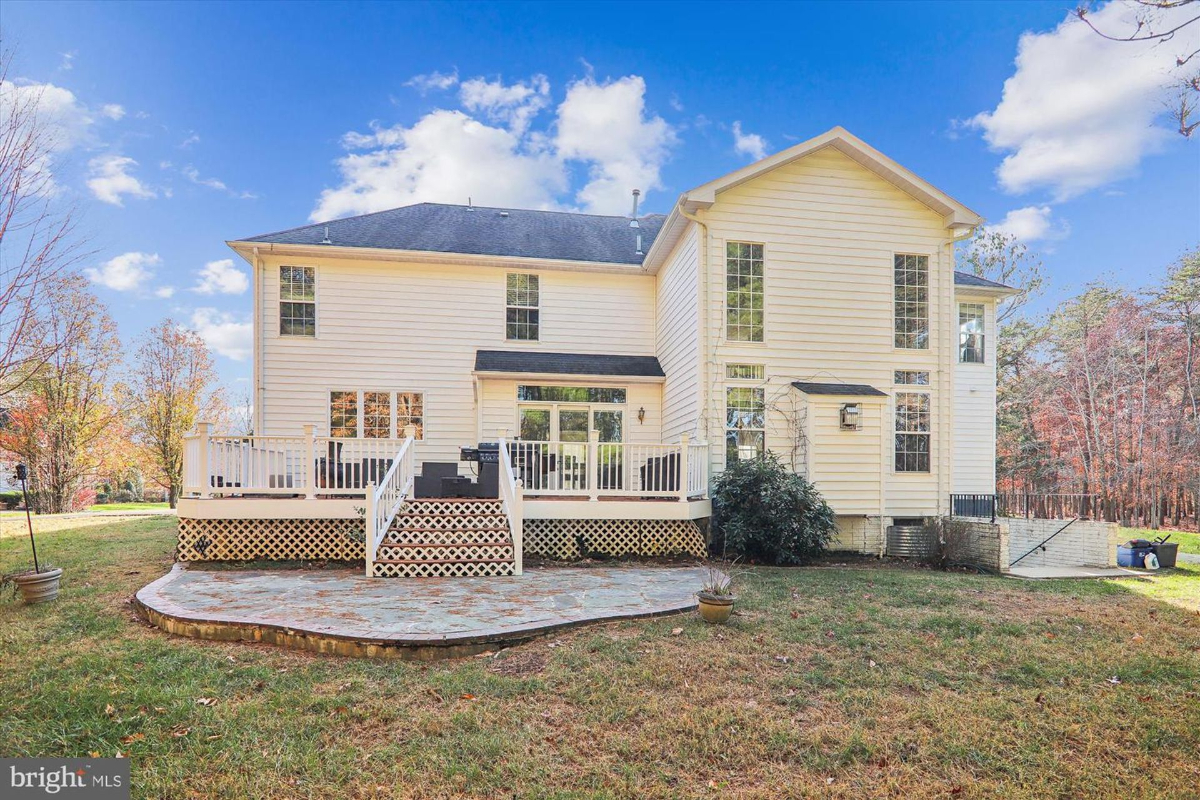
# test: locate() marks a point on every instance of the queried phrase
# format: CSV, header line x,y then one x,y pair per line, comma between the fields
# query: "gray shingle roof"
x,y
439,228
567,363
967,279
846,389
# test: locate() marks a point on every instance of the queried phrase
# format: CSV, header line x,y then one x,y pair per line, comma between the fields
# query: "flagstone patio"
x,y
342,612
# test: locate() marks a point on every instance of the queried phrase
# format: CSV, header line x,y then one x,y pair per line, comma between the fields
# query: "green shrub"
x,y
766,514
10,500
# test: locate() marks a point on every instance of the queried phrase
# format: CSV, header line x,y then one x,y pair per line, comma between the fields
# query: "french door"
x,y
554,445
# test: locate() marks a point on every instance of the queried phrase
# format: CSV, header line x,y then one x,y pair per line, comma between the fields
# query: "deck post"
x,y
204,429
369,529
310,464
593,465
683,468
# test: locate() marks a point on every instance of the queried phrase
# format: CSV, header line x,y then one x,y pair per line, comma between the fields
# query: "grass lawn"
x,y
844,682
129,507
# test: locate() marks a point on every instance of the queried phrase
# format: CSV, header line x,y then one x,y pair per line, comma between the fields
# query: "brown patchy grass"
x,y
848,682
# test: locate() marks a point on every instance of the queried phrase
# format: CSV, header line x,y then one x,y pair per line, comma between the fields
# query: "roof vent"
x,y
504,213
326,240
470,205
634,223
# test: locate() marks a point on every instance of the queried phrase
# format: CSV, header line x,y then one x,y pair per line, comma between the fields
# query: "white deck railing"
x,y
512,500
384,501
306,465
612,469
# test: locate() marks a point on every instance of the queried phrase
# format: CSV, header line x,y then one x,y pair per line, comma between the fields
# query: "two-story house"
x,y
806,304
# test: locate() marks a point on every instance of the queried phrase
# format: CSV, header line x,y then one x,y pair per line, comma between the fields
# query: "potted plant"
x,y
40,584
716,595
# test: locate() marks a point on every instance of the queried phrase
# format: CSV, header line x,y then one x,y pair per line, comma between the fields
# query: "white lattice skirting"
x,y
562,538
271,539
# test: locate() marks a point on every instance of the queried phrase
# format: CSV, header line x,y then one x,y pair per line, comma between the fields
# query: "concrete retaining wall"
x,y
1084,544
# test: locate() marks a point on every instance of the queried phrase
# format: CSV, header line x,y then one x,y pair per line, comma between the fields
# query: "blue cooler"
x,y
1133,553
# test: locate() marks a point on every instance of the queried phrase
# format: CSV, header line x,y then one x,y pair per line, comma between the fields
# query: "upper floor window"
x,y
912,432
970,333
744,292
521,310
745,422
297,301
911,281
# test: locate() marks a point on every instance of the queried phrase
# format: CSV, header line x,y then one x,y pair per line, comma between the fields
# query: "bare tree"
x,y
37,234
1163,21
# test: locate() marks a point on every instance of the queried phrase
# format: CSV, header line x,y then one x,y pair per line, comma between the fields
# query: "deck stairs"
x,y
447,537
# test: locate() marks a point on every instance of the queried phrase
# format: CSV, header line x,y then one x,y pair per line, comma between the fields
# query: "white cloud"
x,y
1080,110
193,175
222,333
1031,224
675,102
605,124
450,155
433,81
446,156
126,272
65,121
191,139
165,292
514,105
221,277
68,61
750,144
110,179
113,111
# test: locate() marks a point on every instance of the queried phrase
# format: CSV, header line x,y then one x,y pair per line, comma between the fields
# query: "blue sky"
x,y
191,124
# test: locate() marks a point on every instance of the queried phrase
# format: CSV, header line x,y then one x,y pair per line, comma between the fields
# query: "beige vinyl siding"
x,y
415,327
678,337
975,411
830,229
845,465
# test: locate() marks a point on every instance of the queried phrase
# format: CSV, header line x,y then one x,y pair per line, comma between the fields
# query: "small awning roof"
x,y
839,389
575,364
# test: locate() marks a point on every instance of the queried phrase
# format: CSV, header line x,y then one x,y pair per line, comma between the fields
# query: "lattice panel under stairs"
x,y
270,539
561,538
447,538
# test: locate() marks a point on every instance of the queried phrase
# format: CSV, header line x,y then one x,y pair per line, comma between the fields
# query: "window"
x,y
910,377
410,410
343,414
745,422
970,333
912,432
297,301
377,415
745,372
522,321
912,302
569,394
743,292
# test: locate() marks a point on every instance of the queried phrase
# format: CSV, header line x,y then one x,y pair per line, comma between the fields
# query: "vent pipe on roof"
x,y
634,223
326,240
470,205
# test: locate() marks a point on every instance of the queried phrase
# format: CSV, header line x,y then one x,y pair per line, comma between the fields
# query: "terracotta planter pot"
x,y
715,608
39,587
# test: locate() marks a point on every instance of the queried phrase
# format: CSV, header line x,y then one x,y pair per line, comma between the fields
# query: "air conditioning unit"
x,y
851,417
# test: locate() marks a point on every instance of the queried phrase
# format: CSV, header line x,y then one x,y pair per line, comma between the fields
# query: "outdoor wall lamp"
x,y
641,415
851,417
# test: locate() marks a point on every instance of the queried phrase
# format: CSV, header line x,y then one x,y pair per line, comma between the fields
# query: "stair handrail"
x,y
384,500
1042,544
512,499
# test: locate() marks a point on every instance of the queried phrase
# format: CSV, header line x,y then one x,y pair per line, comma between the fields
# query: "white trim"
x,y
616,509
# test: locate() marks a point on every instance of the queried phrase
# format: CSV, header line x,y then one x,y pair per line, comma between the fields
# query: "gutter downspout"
x,y
704,326
259,333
